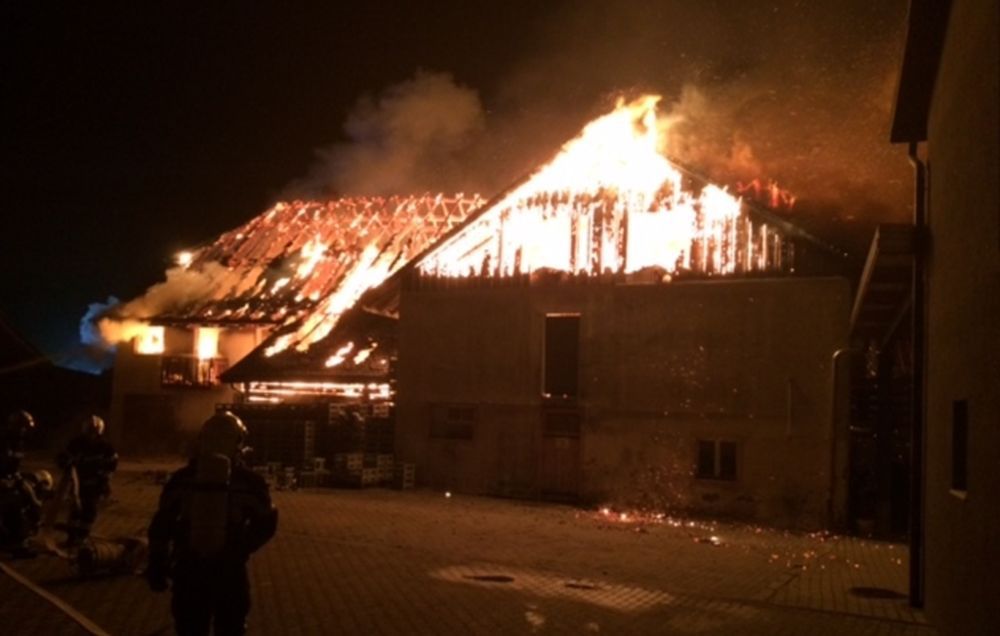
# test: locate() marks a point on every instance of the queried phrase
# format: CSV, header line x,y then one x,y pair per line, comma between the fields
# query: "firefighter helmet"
x,y
224,434
93,424
42,480
20,422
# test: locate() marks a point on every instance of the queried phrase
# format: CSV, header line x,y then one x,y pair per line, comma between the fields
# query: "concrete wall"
x,y
661,366
147,417
963,332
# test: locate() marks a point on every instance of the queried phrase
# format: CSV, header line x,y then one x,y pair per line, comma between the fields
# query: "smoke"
x,y
411,138
796,92
107,324
799,92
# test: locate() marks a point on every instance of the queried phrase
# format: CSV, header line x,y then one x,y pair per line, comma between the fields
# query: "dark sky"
x,y
133,130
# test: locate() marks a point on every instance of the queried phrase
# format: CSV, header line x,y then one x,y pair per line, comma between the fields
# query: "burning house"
x,y
612,327
297,262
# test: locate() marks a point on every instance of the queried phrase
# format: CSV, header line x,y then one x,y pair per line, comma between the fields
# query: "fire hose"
x,y
81,620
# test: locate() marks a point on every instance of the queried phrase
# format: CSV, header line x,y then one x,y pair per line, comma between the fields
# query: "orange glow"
x,y
340,355
610,201
206,342
184,259
149,340
274,392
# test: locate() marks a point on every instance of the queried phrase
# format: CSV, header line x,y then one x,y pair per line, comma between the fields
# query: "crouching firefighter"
x,y
91,460
213,514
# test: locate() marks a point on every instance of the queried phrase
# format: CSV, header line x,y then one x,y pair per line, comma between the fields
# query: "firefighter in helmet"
x,y
213,514
19,505
94,460
17,427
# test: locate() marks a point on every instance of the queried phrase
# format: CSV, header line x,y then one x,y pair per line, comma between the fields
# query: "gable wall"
x,y
661,366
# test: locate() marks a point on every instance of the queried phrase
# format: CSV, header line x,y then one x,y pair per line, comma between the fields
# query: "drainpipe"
x,y
831,496
919,354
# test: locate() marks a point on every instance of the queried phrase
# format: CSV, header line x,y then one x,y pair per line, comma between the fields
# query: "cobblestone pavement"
x,y
417,562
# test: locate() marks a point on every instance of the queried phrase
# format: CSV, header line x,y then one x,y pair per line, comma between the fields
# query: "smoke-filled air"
x,y
790,94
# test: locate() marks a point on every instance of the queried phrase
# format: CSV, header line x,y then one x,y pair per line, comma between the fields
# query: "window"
x,y
716,460
149,341
453,422
561,363
191,371
959,444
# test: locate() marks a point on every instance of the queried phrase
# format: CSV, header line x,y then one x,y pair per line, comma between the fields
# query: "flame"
x,y
340,355
609,201
274,392
184,259
149,340
364,354
312,253
371,269
206,342
769,193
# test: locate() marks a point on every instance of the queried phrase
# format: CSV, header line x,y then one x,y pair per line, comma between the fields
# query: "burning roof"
x,y
289,261
609,202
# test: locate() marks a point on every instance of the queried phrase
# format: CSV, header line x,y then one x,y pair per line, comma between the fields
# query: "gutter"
x,y
918,318
832,495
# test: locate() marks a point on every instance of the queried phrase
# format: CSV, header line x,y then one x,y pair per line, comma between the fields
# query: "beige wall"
x,y
167,417
963,332
661,366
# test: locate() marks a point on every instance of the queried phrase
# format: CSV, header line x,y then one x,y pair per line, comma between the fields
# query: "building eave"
x,y
927,24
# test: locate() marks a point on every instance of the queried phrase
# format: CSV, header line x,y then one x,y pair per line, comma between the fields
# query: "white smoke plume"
x,y
105,325
408,139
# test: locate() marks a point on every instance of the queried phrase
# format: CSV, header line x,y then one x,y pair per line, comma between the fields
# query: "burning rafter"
x,y
296,256
610,201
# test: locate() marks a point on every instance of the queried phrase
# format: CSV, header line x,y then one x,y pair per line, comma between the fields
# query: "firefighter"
x,y
19,505
94,460
213,514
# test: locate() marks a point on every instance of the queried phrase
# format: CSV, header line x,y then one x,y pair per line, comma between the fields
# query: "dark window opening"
x,y
191,371
716,460
959,444
453,422
562,356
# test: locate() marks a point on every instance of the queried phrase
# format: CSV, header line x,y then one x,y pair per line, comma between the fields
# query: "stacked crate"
x,y
379,435
384,466
316,475
281,434
347,469
404,475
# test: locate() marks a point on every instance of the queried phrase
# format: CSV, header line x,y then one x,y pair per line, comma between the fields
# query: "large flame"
x,y
609,201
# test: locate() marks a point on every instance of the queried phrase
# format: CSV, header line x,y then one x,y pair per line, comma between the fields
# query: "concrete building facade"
x,y
947,110
715,396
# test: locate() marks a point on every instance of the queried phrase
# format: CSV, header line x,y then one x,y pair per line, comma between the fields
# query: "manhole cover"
x,y
876,592
581,586
491,578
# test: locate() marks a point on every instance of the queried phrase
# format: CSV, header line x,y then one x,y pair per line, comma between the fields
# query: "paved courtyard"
x,y
418,562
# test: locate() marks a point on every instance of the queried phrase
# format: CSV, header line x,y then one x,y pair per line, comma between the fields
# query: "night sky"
x,y
133,131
